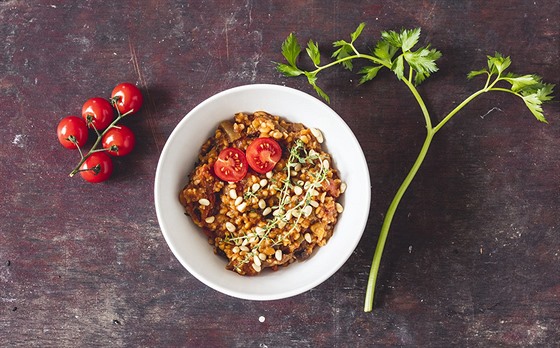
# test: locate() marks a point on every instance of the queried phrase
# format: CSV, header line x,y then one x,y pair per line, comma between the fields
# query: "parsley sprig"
x,y
398,52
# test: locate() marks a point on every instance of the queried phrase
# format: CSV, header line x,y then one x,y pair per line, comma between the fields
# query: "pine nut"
x,y
262,256
278,255
314,204
256,260
233,194
210,219
266,211
238,200
317,134
255,187
204,202
307,210
230,227
244,248
342,187
256,267
298,190
262,204
263,182
269,175
242,207
307,237
288,215
326,164
339,208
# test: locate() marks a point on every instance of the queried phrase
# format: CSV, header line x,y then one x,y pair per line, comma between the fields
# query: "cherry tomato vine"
x,y
102,117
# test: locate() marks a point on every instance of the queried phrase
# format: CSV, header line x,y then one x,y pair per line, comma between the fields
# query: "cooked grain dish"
x,y
272,219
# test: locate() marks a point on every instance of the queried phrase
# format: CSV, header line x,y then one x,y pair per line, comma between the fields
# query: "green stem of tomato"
x,y
94,146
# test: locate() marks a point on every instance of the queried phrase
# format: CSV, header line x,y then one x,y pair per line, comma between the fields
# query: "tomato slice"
x,y
231,165
263,154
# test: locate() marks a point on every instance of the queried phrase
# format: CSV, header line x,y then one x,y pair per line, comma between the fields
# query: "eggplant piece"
x,y
231,134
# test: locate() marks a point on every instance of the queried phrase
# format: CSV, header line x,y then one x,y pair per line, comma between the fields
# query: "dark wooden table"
x,y
474,253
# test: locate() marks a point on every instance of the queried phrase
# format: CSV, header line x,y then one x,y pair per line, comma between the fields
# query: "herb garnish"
x,y
396,52
282,214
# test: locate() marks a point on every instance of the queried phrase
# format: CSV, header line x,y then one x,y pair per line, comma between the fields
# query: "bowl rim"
x,y
158,182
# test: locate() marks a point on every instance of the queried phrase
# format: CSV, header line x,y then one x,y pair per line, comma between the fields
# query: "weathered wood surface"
x,y
473,256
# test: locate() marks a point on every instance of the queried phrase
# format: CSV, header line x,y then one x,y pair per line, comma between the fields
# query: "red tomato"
x,y
231,165
127,97
72,132
119,140
263,154
97,167
98,113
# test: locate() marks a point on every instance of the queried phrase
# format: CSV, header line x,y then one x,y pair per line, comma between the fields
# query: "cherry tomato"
x,y
263,154
231,165
127,97
98,113
119,140
72,132
97,167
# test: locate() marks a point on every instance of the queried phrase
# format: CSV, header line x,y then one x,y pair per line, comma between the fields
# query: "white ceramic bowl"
x,y
190,245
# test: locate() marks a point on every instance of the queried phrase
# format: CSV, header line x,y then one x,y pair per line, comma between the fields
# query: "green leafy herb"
x,y
397,51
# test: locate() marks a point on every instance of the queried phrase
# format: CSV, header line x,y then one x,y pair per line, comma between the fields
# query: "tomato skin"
x,y
72,126
98,112
121,137
263,154
231,165
98,167
127,97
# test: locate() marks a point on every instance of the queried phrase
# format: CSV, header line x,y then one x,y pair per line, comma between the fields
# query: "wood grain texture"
x,y
472,259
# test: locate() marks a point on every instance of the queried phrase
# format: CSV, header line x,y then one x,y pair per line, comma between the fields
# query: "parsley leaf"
x,y
288,70
344,50
385,52
291,49
398,67
313,52
357,32
498,63
409,38
404,40
369,72
474,73
534,104
312,79
423,62
519,82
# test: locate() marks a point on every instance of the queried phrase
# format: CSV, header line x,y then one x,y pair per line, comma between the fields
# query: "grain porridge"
x,y
268,216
